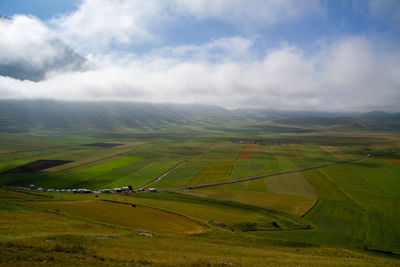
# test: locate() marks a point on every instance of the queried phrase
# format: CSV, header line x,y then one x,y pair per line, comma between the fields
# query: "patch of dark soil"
x,y
37,165
104,144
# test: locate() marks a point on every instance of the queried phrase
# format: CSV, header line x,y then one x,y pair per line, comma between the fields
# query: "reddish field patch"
x,y
37,165
394,162
246,152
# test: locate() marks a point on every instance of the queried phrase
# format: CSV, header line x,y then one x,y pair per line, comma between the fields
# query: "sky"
x,y
327,55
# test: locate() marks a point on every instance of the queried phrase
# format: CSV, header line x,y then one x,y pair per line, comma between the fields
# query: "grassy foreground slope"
x,y
54,237
139,217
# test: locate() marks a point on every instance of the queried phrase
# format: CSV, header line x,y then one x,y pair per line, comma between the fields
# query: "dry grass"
x,y
295,205
124,215
337,152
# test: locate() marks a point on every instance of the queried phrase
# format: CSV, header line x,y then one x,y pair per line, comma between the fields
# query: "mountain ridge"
x,y
25,115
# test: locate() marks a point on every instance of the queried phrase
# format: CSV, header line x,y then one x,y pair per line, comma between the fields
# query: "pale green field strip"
x,y
151,183
137,218
222,152
89,158
281,156
146,174
263,154
290,184
249,167
182,175
103,173
257,185
215,171
314,155
83,160
111,164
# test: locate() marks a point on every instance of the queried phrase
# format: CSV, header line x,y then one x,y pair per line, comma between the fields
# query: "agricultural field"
x,y
124,215
341,214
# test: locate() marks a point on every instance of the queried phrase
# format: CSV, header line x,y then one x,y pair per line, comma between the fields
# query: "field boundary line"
x,y
159,209
164,174
10,188
271,174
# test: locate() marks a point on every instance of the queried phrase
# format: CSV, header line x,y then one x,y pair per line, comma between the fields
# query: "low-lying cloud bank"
x,y
350,74
353,73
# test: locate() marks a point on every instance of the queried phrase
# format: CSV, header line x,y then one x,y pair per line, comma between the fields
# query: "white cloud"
x,y
98,25
353,73
350,74
26,40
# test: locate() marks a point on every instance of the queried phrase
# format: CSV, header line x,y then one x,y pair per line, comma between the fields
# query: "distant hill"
x,y
376,120
24,115
31,115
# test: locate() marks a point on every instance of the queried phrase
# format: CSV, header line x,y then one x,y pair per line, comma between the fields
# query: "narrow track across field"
x,y
164,174
268,174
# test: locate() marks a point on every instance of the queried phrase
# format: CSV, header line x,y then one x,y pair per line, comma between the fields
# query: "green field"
x,y
345,214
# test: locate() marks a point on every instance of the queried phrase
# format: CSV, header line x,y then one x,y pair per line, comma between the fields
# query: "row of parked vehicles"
x,y
124,189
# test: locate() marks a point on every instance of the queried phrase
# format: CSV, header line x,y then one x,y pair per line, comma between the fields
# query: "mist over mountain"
x,y
26,115
67,60
44,52
59,115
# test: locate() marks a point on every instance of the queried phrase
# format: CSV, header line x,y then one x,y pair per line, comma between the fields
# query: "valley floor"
x,y
344,214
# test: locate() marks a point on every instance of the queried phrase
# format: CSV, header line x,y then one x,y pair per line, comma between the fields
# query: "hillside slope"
x,y
24,115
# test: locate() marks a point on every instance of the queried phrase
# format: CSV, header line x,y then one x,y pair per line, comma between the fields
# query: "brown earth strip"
x,y
246,152
394,162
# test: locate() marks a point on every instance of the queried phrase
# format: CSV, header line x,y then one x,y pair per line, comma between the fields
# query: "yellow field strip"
x,y
290,184
336,152
123,215
295,205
